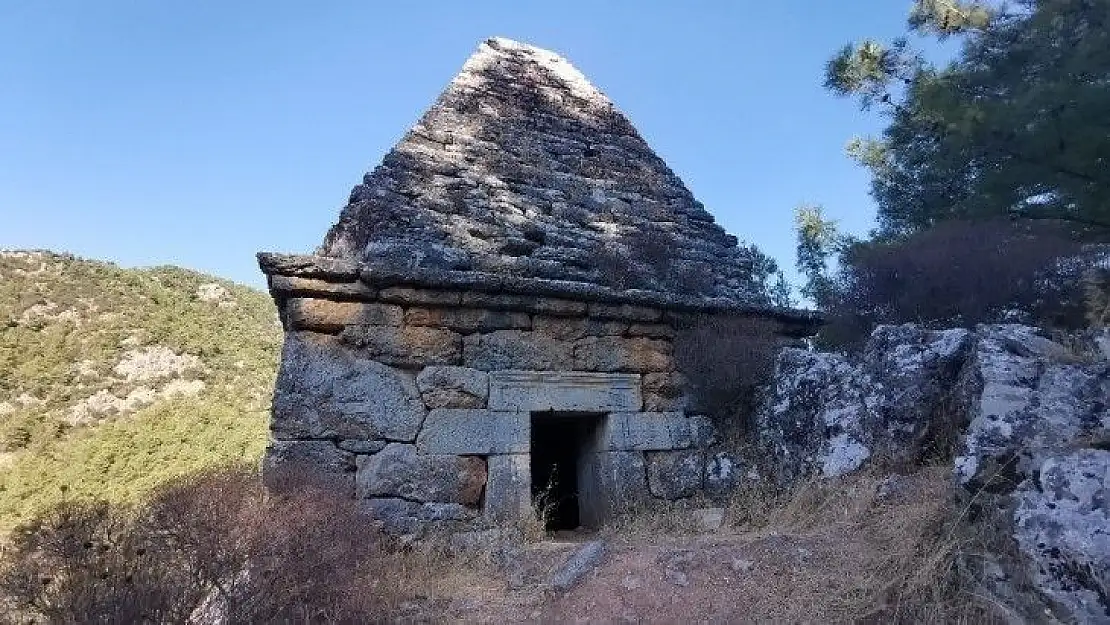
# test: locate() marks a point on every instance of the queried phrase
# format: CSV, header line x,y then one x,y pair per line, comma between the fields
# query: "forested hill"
x,y
114,380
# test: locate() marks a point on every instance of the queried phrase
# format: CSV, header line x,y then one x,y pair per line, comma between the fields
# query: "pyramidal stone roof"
x,y
522,167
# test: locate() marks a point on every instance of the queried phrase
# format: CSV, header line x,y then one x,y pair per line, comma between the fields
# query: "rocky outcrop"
x,y
1027,420
1026,398
829,414
1062,527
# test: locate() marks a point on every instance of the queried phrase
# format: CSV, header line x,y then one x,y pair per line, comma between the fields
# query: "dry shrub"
x,y
726,360
957,273
897,549
654,520
217,546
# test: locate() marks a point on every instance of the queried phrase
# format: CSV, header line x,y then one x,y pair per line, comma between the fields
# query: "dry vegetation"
x,y
858,549
864,548
726,360
958,274
219,546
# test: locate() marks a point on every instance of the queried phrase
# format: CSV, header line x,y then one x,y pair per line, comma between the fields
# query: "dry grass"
x,y
862,548
904,538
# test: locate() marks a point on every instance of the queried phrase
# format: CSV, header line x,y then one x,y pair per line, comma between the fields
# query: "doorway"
x,y
561,448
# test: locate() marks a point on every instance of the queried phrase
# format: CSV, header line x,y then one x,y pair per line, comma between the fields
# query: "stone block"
x,y
611,483
665,392
410,346
400,471
625,312
408,295
356,446
572,328
651,330
324,390
453,387
331,316
614,353
294,286
291,463
496,301
722,474
508,488
560,307
308,266
540,391
646,431
481,432
675,474
516,349
468,320
705,431
399,516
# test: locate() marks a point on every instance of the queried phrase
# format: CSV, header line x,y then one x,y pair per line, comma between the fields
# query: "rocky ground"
x,y
864,547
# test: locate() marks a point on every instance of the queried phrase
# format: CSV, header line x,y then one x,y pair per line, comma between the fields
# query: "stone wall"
x,y
418,401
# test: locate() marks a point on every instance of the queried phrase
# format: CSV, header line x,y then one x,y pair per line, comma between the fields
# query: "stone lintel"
x,y
478,432
542,391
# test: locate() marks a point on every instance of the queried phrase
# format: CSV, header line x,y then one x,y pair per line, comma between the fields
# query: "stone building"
x,y
492,317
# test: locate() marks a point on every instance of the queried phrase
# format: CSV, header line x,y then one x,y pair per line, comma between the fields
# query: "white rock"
x,y
155,363
212,292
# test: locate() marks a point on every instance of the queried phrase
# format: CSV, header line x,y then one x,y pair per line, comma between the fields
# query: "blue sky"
x,y
197,133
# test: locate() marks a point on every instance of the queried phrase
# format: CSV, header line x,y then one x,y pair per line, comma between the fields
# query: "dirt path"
x,y
834,559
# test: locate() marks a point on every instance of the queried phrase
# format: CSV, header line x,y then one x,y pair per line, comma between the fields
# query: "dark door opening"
x,y
560,442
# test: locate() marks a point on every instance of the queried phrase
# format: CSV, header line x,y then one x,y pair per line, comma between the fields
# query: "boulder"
x,y
675,474
1023,404
399,516
453,387
293,463
325,390
1062,528
828,414
400,471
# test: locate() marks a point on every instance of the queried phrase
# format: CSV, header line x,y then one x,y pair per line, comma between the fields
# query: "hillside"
x,y
114,380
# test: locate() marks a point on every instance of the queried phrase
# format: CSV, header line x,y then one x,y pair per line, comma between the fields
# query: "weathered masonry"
x,y
490,324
